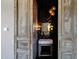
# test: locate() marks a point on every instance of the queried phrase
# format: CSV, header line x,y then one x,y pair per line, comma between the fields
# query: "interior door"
x,y
23,29
67,29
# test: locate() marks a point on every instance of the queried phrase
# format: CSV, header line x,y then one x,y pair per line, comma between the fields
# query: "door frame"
x,y
60,27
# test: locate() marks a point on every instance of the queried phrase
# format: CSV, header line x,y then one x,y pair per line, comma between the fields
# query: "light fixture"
x,y
50,27
51,12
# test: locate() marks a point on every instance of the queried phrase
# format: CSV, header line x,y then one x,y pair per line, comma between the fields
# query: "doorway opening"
x,y
46,30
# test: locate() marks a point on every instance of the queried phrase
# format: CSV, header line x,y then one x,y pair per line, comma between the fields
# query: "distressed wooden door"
x,y
67,29
24,21
23,29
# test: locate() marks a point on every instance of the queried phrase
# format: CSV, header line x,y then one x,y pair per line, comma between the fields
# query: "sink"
x,y
45,41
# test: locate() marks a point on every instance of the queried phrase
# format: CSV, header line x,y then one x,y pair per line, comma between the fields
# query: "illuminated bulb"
x,y
51,28
52,14
54,8
50,11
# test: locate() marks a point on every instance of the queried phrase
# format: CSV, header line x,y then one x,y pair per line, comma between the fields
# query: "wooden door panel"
x,y
67,56
23,18
67,41
23,38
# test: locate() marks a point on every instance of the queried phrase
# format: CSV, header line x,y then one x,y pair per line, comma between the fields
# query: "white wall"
x,y
7,19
